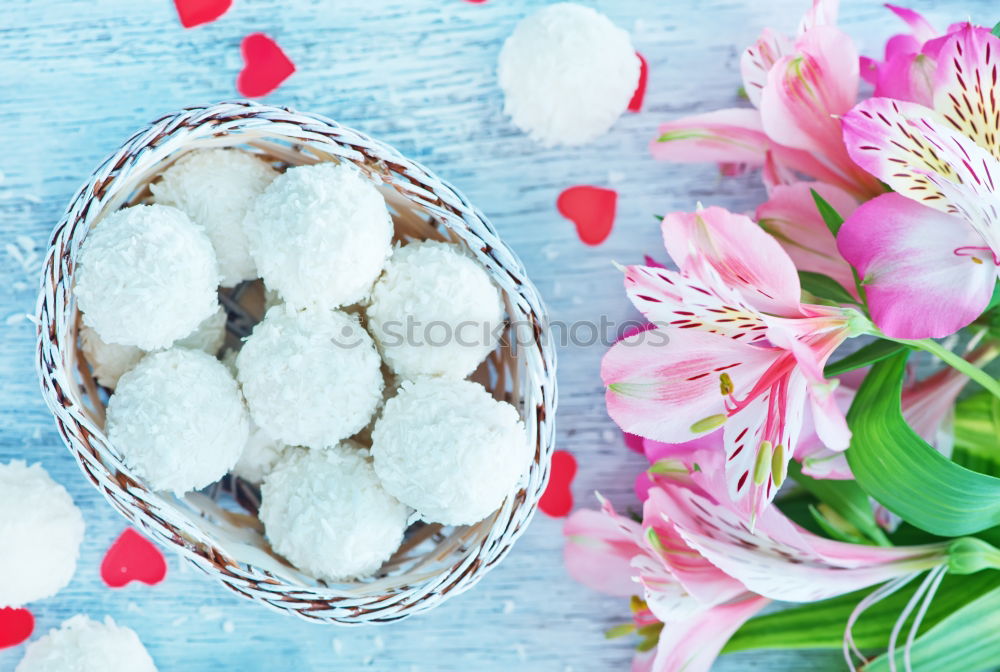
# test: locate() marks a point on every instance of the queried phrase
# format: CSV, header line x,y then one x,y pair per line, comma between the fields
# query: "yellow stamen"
x,y
709,423
763,464
726,385
779,466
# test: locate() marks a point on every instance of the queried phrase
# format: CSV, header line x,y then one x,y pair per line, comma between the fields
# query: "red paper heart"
x,y
592,209
557,500
16,625
132,558
266,66
635,105
196,12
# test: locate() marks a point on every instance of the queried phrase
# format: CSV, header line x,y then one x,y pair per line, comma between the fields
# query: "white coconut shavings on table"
x,y
109,361
320,235
215,187
567,73
178,420
434,311
311,377
449,450
83,645
327,513
40,534
147,276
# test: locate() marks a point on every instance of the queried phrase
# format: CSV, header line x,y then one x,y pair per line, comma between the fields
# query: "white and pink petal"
x,y
927,274
668,384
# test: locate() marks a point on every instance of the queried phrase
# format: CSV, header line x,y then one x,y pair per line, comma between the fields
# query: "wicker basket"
x,y
217,530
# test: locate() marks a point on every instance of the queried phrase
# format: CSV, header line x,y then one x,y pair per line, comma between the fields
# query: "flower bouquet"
x,y
812,389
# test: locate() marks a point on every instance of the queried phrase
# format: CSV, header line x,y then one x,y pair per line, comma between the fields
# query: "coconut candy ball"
x,y
84,645
260,454
40,534
310,377
434,311
320,235
215,188
178,420
109,360
567,73
326,512
147,276
449,450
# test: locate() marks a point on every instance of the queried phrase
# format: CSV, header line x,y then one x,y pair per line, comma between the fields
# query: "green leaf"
x,y
835,527
996,30
900,470
831,217
824,287
964,641
977,433
844,497
820,625
873,352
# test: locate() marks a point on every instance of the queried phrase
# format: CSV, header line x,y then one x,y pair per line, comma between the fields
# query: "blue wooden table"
x,y
77,77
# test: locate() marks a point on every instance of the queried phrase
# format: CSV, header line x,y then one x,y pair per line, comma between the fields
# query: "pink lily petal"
x,y
869,69
908,77
760,440
791,217
901,45
927,274
665,384
758,59
669,299
699,577
722,136
598,554
906,146
928,403
783,562
656,450
694,644
822,13
743,255
806,89
966,87
922,29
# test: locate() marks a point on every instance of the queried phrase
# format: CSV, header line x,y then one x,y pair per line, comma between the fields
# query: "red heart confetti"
x,y
635,105
16,625
557,500
196,12
592,209
266,66
133,558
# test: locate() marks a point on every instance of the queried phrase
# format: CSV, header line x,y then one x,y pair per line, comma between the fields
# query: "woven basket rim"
x,y
164,520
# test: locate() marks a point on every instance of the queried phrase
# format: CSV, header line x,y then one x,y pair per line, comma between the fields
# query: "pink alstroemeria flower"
x,y
798,89
699,606
733,347
929,254
777,558
907,69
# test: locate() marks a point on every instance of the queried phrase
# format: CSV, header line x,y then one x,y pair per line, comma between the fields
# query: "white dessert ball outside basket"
x,y
211,529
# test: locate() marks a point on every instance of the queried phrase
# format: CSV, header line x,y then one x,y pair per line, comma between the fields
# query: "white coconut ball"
x,y
40,534
326,512
320,235
449,301
178,420
449,450
215,188
310,377
567,73
147,276
84,645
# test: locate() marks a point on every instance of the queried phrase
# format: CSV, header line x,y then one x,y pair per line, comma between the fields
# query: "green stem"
x,y
956,362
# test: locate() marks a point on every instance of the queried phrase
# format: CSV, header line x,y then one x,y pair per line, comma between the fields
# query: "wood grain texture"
x,y
77,77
